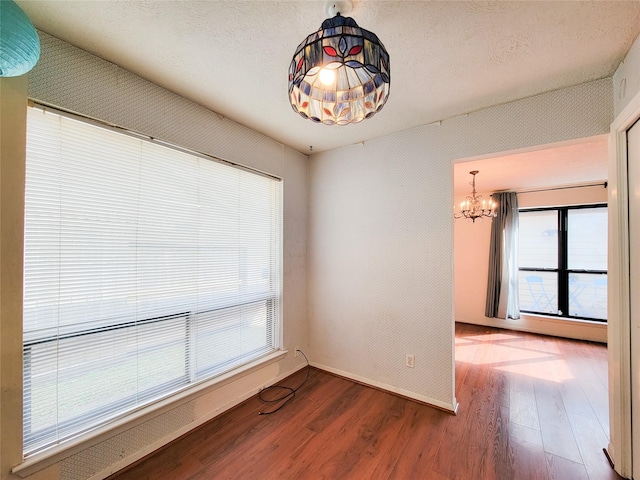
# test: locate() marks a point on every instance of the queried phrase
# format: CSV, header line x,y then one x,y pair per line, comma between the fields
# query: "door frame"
x,y
619,317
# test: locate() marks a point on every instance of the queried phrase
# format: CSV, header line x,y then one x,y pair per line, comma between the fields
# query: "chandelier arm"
x,y
475,206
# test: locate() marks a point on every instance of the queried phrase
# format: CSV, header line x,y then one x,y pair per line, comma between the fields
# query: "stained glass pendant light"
x,y
339,74
19,42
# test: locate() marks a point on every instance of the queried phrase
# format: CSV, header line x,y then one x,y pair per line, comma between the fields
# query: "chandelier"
x,y
339,74
474,206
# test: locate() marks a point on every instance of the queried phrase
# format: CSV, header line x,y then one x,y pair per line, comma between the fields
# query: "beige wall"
x,y
13,103
380,240
381,237
74,80
471,260
626,79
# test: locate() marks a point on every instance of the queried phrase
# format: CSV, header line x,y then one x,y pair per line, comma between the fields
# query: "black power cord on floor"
x,y
290,392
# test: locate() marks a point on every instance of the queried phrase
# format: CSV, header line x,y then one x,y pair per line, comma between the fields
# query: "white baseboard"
x,y
554,326
448,407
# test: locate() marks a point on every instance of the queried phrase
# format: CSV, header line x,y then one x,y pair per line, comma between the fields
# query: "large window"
x,y
147,270
563,261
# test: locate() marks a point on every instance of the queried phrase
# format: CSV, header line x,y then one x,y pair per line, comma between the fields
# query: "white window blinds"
x,y
147,269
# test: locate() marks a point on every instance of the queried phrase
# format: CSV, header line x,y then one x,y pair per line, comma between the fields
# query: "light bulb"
x,y
327,76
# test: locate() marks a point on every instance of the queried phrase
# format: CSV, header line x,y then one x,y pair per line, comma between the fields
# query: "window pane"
x,y
538,291
538,239
588,295
219,331
98,375
147,269
587,239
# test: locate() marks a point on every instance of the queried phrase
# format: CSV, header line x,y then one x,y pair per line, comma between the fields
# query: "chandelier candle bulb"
x,y
475,206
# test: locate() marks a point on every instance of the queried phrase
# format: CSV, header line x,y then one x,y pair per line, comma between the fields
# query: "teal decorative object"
x,y
19,42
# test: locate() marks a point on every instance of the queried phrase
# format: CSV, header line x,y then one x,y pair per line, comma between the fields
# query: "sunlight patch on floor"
x,y
494,337
537,345
550,370
495,354
513,354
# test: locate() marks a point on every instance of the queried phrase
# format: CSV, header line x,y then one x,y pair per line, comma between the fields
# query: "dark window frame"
x,y
562,270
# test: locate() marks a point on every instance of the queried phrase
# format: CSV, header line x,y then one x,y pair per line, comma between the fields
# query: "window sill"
x,y
589,330
52,455
554,318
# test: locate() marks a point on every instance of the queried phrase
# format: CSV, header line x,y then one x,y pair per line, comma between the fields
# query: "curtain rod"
x,y
603,184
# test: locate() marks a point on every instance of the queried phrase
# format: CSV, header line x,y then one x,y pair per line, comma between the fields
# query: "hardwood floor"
x,y
531,407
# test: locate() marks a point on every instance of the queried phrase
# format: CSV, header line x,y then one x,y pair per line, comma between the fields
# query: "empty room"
x,y
232,248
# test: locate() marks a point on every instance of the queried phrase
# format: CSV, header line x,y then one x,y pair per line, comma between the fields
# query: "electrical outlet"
x,y
297,352
410,360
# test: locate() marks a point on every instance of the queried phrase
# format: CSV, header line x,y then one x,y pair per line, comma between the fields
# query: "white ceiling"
x,y
570,163
447,59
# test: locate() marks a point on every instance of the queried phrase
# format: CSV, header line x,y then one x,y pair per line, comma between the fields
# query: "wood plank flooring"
x,y
531,407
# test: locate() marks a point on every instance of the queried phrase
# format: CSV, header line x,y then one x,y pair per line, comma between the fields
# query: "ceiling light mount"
x,y
341,73
342,7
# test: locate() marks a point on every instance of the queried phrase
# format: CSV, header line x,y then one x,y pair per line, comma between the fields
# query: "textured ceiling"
x,y
447,58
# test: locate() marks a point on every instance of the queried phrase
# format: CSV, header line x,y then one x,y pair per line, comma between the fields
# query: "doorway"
x,y
571,163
